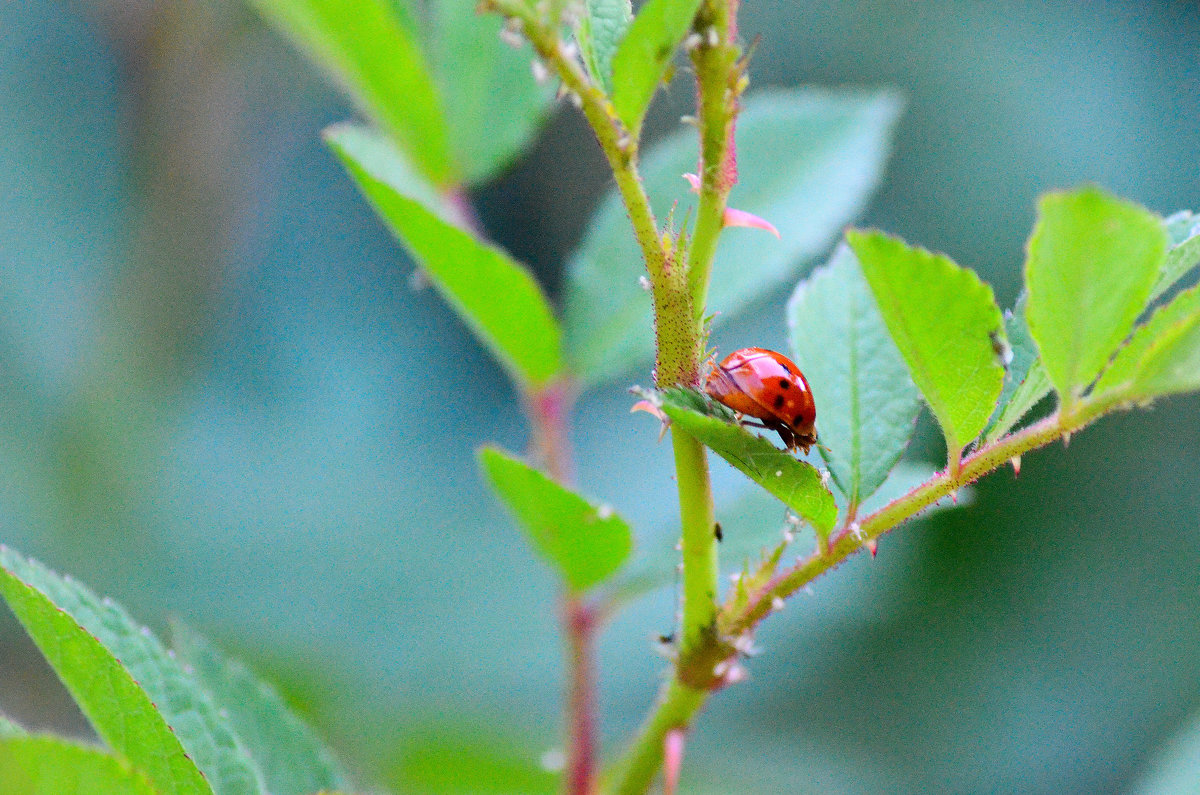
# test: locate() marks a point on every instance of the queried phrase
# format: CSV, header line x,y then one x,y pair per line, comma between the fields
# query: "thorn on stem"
x,y
1015,461
873,546
672,760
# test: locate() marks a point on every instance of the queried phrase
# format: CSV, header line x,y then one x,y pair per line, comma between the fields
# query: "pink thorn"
x,y
742,218
1016,464
672,760
873,546
694,181
649,408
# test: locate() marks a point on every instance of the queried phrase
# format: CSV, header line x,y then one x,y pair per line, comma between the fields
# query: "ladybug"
x,y
768,386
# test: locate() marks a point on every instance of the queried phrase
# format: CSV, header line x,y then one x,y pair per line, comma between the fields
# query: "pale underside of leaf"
x,y
867,403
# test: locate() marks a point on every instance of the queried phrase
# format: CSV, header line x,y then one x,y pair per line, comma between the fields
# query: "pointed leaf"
x,y
1162,357
494,106
601,28
796,483
1025,381
585,542
1183,254
44,765
867,403
642,58
134,694
807,162
1092,261
364,45
945,322
292,760
496,296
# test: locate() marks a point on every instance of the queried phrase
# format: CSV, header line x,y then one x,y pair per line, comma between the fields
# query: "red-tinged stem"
x,y
580,621
549,410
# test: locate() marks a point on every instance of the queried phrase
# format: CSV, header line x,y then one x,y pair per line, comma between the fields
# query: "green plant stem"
x,y
620,146
871,527
699,546
676,706
719,83
679,703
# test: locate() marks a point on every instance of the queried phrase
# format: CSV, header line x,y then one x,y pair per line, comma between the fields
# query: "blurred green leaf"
x,y
645,52
496,296
43,765
807,161
461,760
382,159
796,483
945,322
601,28
493,105
1025,381
1092,261
1161,358
134,695
1183,253
364,45
867,403
585,542
292,760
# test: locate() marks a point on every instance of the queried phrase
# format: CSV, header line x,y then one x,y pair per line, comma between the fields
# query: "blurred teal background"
x,y
221,399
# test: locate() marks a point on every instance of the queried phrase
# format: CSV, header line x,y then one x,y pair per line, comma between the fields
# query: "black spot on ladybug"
x,y
779,401
717,531
784,383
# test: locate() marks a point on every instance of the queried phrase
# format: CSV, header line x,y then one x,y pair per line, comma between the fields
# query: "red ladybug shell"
x,y
770,387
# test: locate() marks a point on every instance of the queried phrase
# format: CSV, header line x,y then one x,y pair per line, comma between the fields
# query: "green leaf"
x,y
946,323
642,57
379,156
867,403
586,542
494,106
808,160
602,26
1183,254
292,760
496,296
796,483
1092,261
366,48
44,765
452,760
1162,357
1025,381
134,694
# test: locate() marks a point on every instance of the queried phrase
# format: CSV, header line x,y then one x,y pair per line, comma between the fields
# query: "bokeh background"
x,y
222,399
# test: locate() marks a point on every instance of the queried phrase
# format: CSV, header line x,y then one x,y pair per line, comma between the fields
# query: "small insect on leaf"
x,y
768,386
